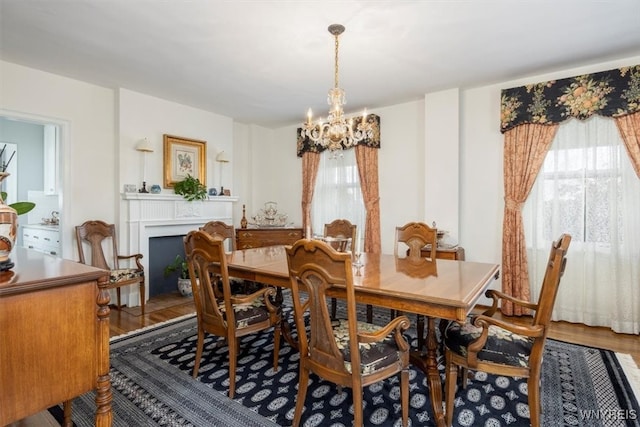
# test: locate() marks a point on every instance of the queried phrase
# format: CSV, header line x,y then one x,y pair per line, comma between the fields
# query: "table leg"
x,y
285,326
428,363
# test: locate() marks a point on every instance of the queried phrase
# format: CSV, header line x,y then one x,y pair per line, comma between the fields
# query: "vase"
x,y
8,230
184,287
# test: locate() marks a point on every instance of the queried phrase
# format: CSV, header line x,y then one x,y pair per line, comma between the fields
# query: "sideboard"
x,y
259,237
54,345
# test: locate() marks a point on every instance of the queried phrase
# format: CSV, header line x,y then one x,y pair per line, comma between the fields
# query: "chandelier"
x,y
337,132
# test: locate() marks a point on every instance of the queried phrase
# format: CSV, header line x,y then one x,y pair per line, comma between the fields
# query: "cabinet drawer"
x,y
260,237
47,241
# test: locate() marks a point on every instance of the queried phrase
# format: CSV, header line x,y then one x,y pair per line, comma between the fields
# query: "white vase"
x,y
184,287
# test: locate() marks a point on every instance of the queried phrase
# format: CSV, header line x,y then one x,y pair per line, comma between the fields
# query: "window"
x,y
578,182
337,191
587,187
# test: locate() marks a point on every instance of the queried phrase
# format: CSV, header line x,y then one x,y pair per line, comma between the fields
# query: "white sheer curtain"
x,y
587,187
337,193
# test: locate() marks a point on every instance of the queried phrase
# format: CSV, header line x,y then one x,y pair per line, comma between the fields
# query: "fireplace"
x,y
160,215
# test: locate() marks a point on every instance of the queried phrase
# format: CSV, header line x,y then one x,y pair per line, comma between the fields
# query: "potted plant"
x,y
190,188
184,280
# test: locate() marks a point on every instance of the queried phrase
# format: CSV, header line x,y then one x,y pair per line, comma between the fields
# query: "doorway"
x,y
35,167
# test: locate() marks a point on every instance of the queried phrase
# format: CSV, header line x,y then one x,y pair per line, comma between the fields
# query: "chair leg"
x,y
334,306
404,392
142,296
357,406
451,377
276,345
66,410
369,313
233,356
533,385
420,330
303,381
199,346
118,298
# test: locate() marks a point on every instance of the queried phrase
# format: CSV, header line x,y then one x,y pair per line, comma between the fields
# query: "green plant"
x,y
190,188
179,264
20,207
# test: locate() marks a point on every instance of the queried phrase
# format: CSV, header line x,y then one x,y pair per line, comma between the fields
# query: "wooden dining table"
x,y
445,289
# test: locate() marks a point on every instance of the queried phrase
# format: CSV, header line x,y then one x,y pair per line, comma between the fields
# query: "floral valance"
x,y
612,93
372,138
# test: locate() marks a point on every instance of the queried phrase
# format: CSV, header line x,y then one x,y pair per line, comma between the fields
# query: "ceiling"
x,y
265,62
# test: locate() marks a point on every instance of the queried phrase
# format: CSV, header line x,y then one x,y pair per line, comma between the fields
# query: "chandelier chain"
x,y
337,46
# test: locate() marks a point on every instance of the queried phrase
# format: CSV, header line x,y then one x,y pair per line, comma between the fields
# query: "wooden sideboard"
x,y
259,237
456,253
54,336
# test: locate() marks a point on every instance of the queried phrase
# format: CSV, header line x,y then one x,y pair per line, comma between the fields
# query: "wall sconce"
x,y
144,146
222,158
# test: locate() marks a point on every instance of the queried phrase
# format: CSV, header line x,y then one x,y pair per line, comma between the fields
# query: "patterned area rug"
x,y
152,384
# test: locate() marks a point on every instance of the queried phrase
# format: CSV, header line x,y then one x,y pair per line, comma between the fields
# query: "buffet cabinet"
x,y
41,238
247,238
54,345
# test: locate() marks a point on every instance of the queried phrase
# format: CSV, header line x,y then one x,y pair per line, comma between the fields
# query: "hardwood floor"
x,y
169,306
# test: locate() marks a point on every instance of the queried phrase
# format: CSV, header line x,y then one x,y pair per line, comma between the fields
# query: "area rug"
x,y
152,385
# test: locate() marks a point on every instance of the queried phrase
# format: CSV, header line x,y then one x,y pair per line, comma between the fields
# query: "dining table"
x,y
437,289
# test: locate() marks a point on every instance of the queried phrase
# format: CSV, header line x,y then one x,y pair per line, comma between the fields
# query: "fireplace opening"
x,y
162,252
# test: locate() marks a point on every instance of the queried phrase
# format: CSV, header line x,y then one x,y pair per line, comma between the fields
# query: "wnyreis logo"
x,y
609,414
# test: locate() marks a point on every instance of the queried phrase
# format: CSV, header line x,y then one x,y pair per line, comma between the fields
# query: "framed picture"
x,y
184,157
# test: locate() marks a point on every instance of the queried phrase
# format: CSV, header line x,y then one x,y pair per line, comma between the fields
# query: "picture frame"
x,y
182,157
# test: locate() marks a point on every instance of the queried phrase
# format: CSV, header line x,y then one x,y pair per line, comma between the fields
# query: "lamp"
x,y
337,133
222,158
144,146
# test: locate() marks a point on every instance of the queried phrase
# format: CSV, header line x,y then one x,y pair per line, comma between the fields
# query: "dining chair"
x,y
409,241
503,347
223,230
342,228
93,238
227,233
230,316
345,351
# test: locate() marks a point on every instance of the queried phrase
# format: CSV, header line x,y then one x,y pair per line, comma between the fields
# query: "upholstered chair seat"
x,y
373,356
502,346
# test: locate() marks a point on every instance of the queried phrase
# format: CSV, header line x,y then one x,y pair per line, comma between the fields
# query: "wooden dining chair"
x,y
93,239
412,237
227,233
342,228
230,316
409,241
344,351
501,347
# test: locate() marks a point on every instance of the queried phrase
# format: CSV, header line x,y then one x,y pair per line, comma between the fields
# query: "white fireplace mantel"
x,y
159,215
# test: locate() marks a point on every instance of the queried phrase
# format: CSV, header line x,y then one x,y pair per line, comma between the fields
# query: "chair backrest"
x,y
314,268
415,235
417,267
207,262
224,231
99,237
342,228
554,271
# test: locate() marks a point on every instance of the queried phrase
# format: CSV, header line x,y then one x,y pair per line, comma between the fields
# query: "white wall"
x,y
142,116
